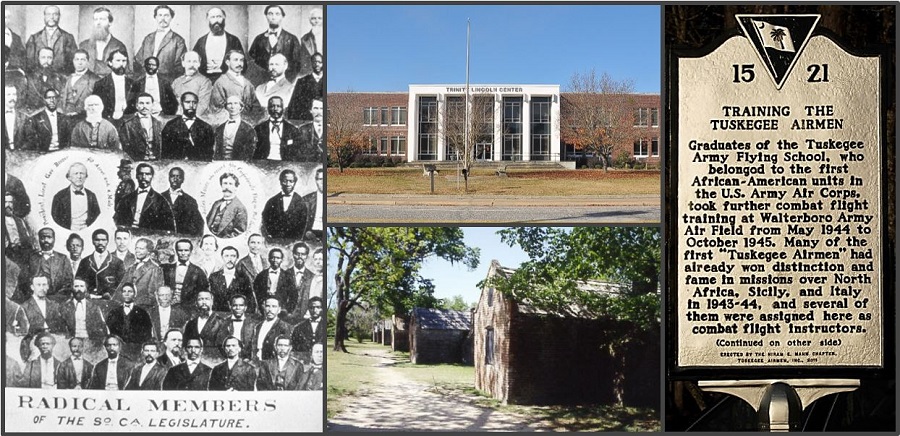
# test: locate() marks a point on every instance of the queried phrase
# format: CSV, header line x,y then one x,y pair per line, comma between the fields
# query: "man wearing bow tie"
x,y
144,275
285,215
41,372
235,138
227,282
192,374
51,264
111,373
149,375
172,340
266,332
254,262
235,373
75,207
206,325
276,40
188,279
48,130
130,322
145,208
306,89
101,270
227,217
75,372
141,134
188,137
158,87
114,88
280,371
300,279
272,281
164,315
241,323
277,138
312,42
188,220
75,247
164,44
309,331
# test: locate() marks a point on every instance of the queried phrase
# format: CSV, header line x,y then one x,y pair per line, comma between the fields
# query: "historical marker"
x,y
778,209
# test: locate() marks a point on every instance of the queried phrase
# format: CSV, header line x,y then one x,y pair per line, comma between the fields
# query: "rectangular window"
x,y
654,117
512,128
385,116
654,147
398,145
398,116
540,128
428,128
370,116
489,346
641,147
384,145
642,117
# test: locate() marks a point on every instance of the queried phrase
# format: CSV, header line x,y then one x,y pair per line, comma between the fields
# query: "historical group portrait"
x,y
163,197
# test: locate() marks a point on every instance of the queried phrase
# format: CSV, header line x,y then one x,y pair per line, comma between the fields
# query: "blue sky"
x,y
388,47
456,279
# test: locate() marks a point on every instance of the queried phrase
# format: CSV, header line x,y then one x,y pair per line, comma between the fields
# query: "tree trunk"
x,y
340,326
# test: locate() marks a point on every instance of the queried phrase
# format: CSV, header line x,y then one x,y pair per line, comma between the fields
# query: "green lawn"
x,y
348,374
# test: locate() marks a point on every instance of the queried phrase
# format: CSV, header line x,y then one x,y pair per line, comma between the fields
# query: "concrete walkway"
x,y
397,403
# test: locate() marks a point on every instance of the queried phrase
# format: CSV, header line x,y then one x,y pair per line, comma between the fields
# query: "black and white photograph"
x,y
147,247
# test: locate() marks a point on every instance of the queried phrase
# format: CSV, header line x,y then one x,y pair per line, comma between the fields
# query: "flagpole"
x,y
466,140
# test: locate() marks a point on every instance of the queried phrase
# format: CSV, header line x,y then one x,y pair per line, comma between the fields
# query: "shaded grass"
x,y
484,182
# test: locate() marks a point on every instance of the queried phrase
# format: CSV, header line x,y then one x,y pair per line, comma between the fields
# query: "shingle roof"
x,y
442,319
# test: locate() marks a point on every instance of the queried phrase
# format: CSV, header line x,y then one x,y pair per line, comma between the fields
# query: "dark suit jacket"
x,y
304,337
93,318
287,44
248,329
66,377
134,328
31,376
171,48
39,133
99,66
58,268
106,90
269,380
242,377
167,99
178,317
309,46
233,222
285,290
18,134
313,377
146,278
135,142
245,266
244,143
14,187
61,208
104,278
73,94
188,220
156,213
179,378
280,224
38,83
176,140
194,281
123,368
63,50
16,51
231,43
222,294
36,319
290,138
310,148
310,201
280,328
306,89
211,334
153,381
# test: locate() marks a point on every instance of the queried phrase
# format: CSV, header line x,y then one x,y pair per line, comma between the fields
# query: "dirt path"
x,y
397,403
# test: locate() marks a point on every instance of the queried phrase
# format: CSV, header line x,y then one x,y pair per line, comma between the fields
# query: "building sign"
x,y
485,89
778,216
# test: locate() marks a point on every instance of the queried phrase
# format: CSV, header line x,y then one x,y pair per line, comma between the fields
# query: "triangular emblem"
x,y
778,40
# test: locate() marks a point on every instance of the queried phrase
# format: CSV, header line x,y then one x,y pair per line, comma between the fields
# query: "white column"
x,y
555,145
526,127
412,128
441,106
498,127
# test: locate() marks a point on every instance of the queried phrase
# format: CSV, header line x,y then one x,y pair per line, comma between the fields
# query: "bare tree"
x,y
348,134
601,112
466,125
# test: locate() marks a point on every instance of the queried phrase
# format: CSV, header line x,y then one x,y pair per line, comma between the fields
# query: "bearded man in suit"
x,y
188,137
149,375
102,43
75,372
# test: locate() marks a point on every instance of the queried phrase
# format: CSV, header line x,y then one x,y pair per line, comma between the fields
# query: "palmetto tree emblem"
x,y
778,35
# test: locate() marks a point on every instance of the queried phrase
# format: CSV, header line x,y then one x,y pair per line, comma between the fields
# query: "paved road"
x,y
397,403
345,209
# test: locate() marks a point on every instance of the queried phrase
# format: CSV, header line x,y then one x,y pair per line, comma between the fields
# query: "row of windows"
x,y
646,147
384,116
646,116
388,145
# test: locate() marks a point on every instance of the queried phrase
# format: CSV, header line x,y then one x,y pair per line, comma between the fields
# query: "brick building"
x,y
517,122
439,336
524,355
